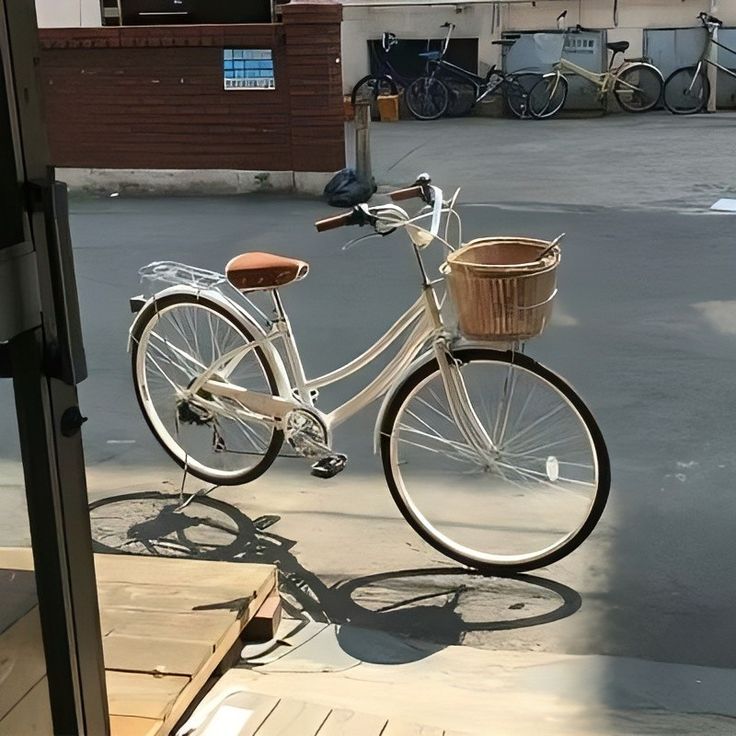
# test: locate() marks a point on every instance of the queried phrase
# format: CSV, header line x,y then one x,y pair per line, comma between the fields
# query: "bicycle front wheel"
x,y
529,502
548,96
174,341
686,91
427,98
517,88
638,88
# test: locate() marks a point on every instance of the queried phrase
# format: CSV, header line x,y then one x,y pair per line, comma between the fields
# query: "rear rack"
x,y
172,272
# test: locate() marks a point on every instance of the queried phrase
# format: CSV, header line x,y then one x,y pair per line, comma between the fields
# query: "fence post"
x,y
363,166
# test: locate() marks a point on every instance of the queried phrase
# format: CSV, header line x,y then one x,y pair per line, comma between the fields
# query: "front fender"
x,y
239,313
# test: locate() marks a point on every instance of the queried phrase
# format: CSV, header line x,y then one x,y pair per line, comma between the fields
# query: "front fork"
x,y
461,407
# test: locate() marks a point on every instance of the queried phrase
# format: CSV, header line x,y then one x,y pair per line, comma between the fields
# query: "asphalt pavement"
x,y
645,329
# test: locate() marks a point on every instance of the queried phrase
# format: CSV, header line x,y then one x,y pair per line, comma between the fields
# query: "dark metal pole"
x,y
46,361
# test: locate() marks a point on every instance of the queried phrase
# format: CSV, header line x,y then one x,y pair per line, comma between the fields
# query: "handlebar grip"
x,y
399,195
332,223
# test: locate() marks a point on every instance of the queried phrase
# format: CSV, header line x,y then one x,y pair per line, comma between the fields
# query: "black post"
x,y
43,351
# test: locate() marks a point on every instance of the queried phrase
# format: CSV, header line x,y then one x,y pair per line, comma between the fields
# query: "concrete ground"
x,y
653,161
644,329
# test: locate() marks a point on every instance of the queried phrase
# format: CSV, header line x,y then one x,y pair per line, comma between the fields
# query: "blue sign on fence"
x,y
248,69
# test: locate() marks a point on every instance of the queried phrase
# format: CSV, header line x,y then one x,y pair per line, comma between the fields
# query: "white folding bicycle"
x,y
492,459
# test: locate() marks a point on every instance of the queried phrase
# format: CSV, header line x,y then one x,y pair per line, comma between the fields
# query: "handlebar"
x,y
354,217
387,217
708,19
415,192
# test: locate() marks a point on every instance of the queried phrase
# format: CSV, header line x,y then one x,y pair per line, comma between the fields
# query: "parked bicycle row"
x,y
447,89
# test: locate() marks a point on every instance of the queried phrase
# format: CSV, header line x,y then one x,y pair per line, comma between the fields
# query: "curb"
x,y
191,182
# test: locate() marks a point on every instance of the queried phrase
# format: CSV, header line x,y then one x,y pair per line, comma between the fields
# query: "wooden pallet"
x,y
254,714
166,626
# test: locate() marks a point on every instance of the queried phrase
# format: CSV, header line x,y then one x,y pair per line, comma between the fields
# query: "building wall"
x,y
153,97
362,22
68,13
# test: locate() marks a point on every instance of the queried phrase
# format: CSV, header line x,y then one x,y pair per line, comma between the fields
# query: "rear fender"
x,y
238,312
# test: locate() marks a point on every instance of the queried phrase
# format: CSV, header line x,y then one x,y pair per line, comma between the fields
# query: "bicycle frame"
x,y
482,85
423,317
705,58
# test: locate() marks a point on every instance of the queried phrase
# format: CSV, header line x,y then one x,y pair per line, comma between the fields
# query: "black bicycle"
x,y
387,81
446,86
687,89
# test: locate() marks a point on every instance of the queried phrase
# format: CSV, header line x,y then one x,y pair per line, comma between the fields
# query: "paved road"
x,y
645,329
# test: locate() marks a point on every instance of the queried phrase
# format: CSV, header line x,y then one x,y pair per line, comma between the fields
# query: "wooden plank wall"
x,y
152,97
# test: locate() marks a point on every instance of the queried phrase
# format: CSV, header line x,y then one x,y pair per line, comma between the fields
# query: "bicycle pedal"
x,y
329,466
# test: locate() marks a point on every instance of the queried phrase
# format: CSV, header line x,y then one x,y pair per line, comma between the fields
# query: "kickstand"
x,y
197,494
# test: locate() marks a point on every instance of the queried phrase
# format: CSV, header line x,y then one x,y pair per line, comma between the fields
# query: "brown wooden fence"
x,y
153,97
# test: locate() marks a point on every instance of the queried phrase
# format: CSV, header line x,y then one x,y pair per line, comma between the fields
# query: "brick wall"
x,y
153,97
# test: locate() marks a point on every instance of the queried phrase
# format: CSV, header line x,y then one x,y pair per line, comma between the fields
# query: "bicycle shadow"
x,y
389,617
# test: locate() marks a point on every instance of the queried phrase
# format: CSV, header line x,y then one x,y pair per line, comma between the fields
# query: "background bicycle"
x,y
384,80
447,88
635,83
687,89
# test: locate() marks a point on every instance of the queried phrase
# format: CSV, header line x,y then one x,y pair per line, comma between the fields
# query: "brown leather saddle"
x,y
251,271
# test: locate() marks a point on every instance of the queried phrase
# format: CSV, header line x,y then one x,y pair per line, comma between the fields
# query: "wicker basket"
x,y
501,289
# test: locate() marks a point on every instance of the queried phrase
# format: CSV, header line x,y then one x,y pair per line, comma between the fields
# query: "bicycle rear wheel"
x,y
548,96
686,91
427,98
638,88
173,342
533,501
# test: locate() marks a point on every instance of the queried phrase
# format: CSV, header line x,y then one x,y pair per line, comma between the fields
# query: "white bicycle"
x,y
493,459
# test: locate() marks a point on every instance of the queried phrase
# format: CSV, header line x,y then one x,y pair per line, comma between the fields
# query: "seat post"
x,y
278,306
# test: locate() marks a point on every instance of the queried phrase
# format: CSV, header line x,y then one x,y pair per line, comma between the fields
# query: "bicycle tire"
x,y
397,467
649,87
184,459
548,96
679,88
516,90
427,98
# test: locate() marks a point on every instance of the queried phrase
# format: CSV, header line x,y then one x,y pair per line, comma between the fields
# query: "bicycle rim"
x,y
533,501
548,96
686,92
516,93
427,98
638,89
207,434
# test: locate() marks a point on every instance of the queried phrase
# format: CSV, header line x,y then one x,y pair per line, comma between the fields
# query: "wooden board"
x,y
344,722
294,718
166,625
132,726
